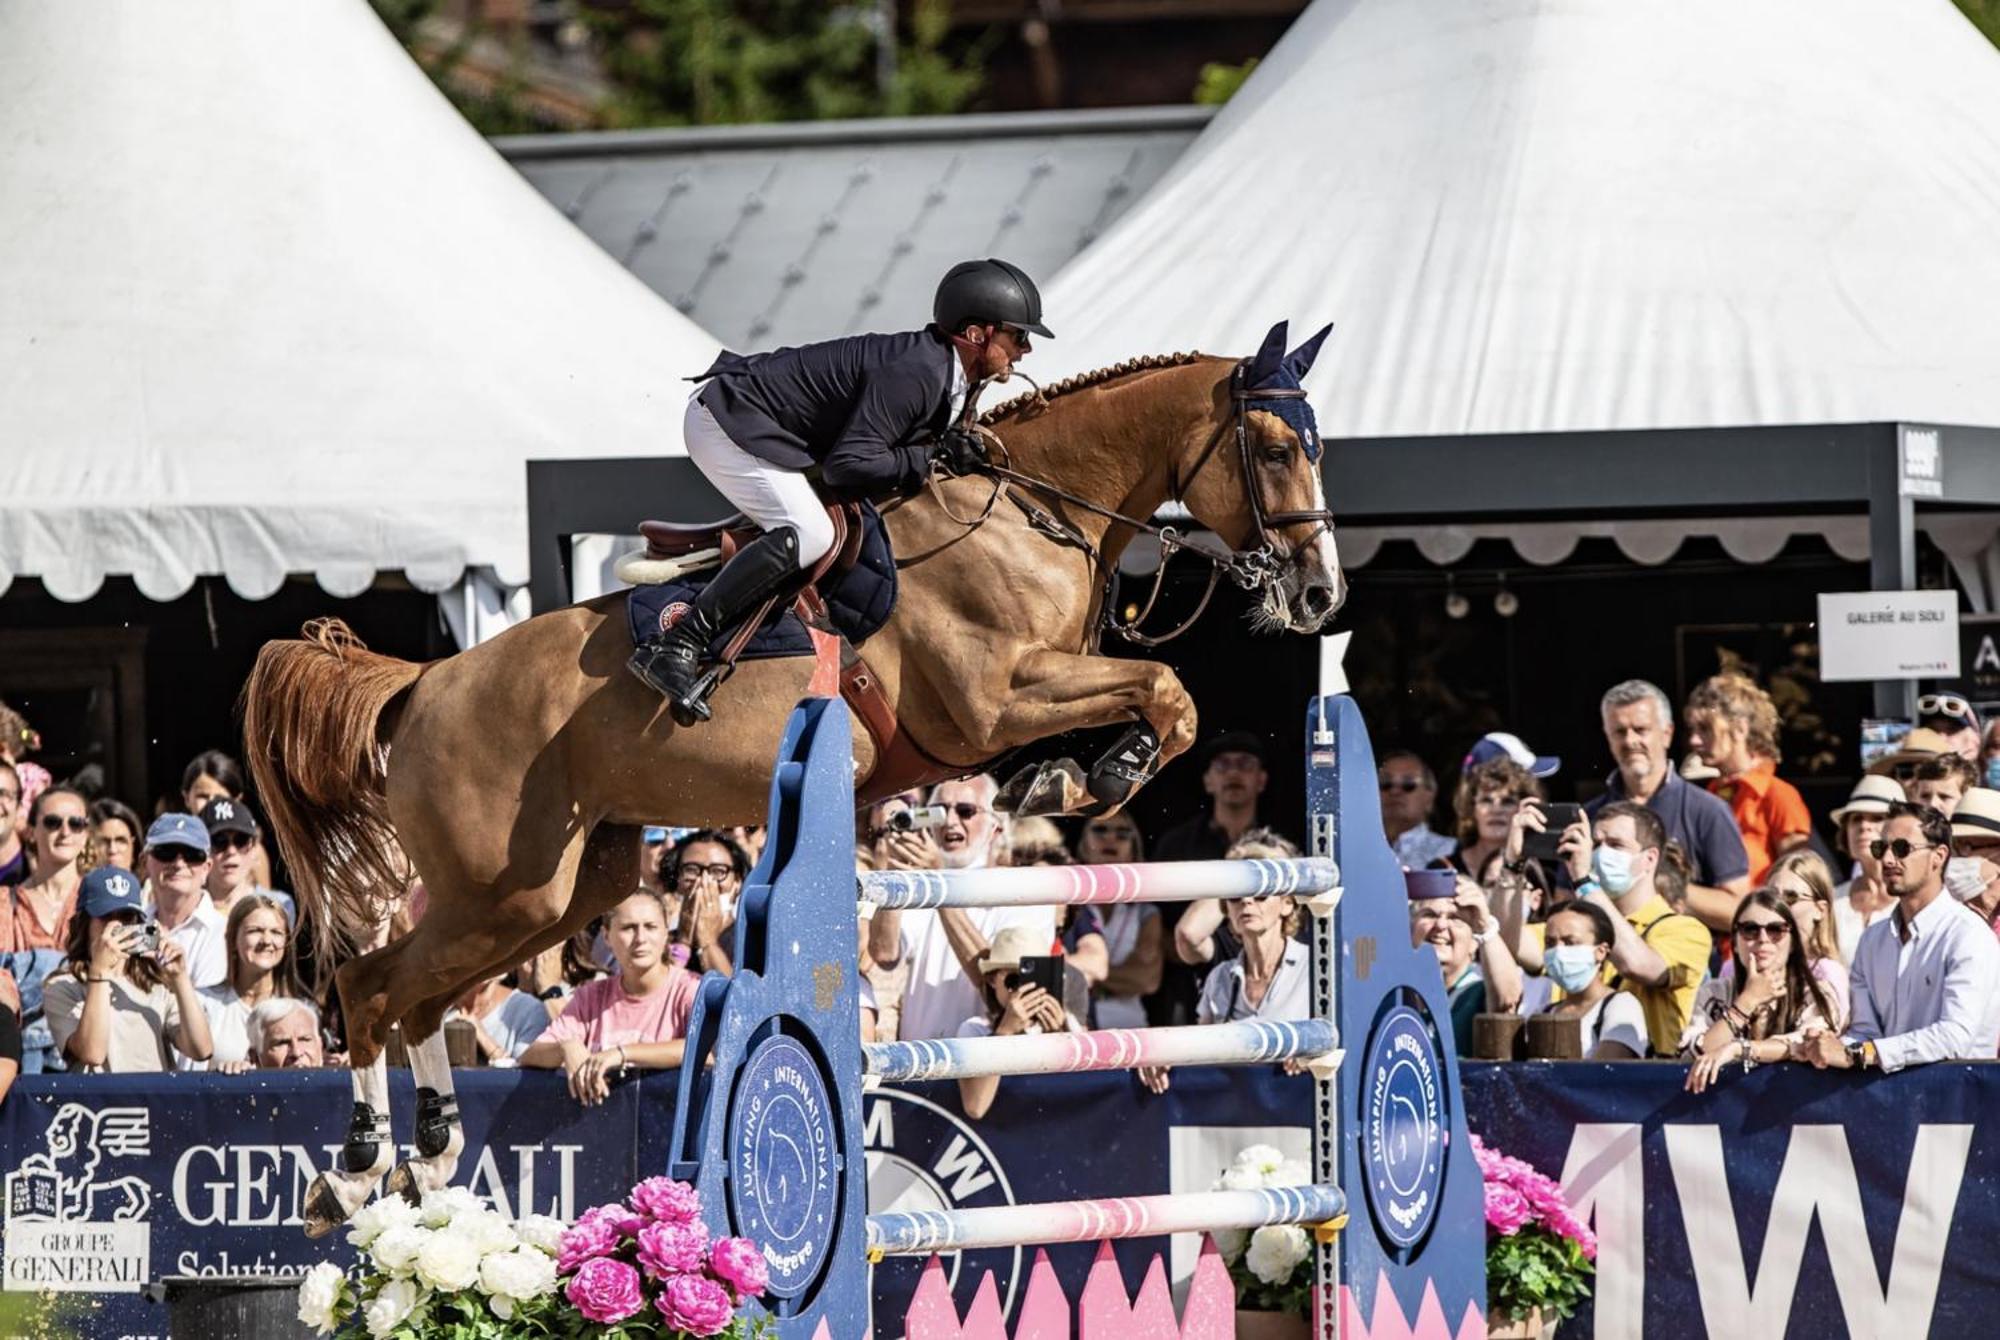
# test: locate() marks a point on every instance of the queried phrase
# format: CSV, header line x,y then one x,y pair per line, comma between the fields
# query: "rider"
x,y
870,414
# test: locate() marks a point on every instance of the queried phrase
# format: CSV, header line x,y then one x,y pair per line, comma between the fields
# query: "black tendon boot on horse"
x,y
671,662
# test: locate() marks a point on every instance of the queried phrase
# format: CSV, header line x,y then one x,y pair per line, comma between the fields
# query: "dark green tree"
x,y
1985,16
717,62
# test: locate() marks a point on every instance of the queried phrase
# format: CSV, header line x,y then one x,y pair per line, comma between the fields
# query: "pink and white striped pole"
x,y
1165,882
919,1232
1246,1042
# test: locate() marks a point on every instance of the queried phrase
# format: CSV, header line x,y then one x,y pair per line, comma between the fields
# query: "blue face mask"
x,y
1613,869
1570,966
1993,773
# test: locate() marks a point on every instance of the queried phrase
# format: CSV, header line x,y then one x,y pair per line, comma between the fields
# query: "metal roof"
x,y
768,235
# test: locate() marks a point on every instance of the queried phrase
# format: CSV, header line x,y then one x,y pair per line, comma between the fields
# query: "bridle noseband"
x,y
1255,568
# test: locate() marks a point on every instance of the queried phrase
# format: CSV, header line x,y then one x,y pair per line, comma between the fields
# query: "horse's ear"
x,y
1300,360
1270,358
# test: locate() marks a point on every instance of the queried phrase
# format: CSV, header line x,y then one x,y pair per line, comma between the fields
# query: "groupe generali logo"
x,y
75,1221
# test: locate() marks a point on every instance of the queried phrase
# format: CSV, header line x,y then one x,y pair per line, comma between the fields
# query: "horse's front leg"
x,y
364,1157
439,1136
1051,692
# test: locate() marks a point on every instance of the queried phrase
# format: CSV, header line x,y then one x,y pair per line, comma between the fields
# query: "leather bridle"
x,y
1255,568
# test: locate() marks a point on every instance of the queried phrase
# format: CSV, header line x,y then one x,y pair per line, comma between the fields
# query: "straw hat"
x,y
1871,795
1009,947
1977,815
1918,745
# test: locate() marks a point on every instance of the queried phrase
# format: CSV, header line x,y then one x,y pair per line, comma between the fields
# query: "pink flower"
x,y
739,1263
606,1291
695,1304
1507,1212
666,1250
585,1240
666,1201
625,1221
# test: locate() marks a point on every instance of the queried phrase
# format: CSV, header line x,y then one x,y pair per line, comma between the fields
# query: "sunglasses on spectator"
x,y
1404,784
1944,705
690,871
231,841
967,811
1797,896
55,823
169,854
1900,848
1754,931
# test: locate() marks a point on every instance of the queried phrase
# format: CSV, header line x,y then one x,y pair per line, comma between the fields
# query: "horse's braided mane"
x,y
1085,380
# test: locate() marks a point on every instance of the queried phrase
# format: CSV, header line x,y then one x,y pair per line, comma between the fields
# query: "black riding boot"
x,y
671,662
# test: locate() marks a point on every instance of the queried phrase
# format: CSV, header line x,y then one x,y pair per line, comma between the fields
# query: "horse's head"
x,y
1258,488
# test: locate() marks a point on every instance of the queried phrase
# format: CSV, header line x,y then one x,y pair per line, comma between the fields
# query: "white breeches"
x,y
768,494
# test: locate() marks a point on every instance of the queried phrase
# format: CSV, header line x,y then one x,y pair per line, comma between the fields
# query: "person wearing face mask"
x,y
1580,935
1766,999
1657,954
1973,874
1926,982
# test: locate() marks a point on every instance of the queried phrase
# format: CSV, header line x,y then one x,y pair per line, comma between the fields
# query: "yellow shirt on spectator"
x,y
1685,944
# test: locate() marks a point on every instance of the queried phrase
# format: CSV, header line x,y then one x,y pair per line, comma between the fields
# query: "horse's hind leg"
x,y
365,1156
607,872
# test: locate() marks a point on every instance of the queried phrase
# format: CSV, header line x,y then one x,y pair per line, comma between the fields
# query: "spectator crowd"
x,y
1689,912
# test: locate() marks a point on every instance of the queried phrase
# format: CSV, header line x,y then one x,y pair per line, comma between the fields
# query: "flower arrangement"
x,y
454,1269
1265,1264
1539,1255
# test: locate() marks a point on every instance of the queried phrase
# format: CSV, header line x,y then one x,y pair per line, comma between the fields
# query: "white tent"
x,y
1530,216
269,306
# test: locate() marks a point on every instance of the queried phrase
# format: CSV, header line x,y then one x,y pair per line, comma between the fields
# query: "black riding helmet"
x,y
988,293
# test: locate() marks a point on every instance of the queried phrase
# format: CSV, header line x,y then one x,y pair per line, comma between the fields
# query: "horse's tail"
x,y
316,724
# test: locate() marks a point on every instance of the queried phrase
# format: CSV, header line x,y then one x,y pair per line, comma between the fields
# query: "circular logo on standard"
x,y
1404,1124
784,1184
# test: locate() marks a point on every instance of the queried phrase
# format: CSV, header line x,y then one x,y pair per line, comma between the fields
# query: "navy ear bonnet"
x,y
1272,369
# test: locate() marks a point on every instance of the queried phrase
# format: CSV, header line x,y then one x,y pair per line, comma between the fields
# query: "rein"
x,y
1253,569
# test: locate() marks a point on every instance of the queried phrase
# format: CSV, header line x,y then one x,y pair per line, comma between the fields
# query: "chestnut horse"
x,y
515,776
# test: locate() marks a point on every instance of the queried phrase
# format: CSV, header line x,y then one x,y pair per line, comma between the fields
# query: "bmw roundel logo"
x,y
784,1184
1405,1126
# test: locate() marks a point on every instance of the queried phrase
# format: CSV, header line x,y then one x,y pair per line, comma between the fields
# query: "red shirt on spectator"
x,y
1767,810
20,930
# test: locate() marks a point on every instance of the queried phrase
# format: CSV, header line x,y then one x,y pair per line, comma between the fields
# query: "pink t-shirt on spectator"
x,y
600,1014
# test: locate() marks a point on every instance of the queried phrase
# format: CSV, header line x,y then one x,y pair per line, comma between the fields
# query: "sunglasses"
x,y
1797,896
1018,335
171,855
1900,848
231,841
689,872
1403,784
1753,931
1944,705
967,811
55,823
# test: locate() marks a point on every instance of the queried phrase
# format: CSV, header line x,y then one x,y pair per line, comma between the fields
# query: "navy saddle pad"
x,y
858,601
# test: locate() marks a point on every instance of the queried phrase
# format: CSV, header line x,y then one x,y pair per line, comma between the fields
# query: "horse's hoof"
x,y
403,1182
1044,789
322,1211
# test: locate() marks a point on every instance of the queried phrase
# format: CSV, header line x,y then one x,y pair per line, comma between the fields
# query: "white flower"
x,y
377,1217
519,1275
1229,1241
449,1261
319,1296
442,1206
1275,1251
395,1252
1264,1158
1241,1178
488,1230
540,1230
392,1307
1289,1173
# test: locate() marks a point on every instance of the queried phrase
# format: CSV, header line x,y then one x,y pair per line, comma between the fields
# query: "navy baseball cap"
x,y
1500,744
110,889
178,830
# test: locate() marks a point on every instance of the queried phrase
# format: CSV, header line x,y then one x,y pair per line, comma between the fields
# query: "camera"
x,y
917,819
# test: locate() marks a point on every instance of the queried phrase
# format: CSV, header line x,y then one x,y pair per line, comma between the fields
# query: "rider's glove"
x,y
960,451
